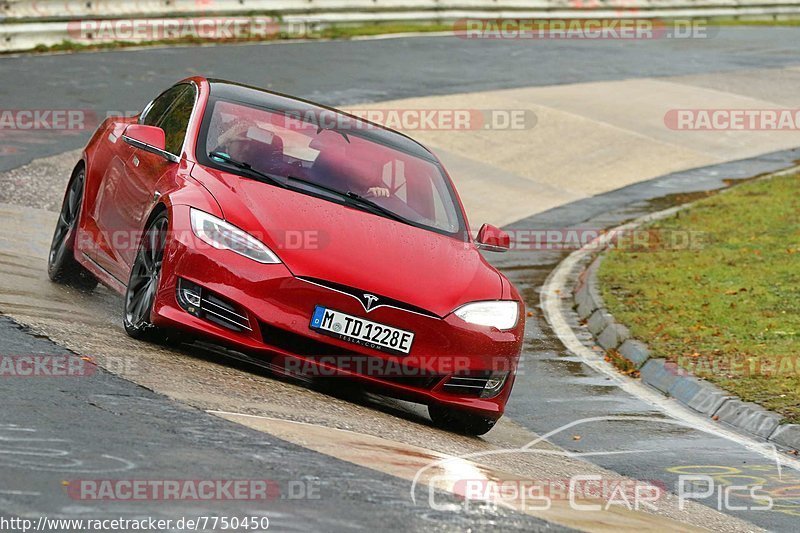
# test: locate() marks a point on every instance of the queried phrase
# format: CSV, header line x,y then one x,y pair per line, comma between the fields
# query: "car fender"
x,y
186,190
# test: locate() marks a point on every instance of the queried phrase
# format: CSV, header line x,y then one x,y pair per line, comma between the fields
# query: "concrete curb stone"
x,y
587,297
634,351
699,395
659,374
592,284
749,417
614,335
586,308
787,435
599,321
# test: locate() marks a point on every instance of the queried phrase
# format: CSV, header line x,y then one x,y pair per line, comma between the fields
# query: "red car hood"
x,y
321,239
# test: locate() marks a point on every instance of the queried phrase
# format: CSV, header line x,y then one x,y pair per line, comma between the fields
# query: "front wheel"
x,y
460,421
140,295
62,267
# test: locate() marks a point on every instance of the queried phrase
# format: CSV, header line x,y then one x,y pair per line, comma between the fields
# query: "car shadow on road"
x,y
342,388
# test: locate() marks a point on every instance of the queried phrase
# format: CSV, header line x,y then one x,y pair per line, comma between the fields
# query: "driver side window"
x,y
171,112
155,111
176,121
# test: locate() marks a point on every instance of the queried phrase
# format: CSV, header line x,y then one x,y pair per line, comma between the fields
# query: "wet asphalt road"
x,y
59,432
341,72
553,389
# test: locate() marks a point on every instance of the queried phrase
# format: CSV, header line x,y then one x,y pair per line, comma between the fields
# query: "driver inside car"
x,y
245,141
335,168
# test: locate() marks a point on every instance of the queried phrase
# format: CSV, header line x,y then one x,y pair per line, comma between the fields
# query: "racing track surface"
x,y
553,389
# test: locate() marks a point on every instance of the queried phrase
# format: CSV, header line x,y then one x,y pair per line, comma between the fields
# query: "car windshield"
x,y
334,158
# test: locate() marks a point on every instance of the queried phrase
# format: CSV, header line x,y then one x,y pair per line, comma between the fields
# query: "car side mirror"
x,y
150,139
493,239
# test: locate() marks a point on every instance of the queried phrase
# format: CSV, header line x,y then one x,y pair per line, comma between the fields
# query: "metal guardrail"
x,y
41,10
70,9
25,24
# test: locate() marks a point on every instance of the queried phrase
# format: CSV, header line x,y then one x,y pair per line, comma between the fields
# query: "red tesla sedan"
x,y
296,232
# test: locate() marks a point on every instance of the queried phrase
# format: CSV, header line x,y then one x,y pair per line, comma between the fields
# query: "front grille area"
x,y
202,303
298,344
301,345
467,385
418,382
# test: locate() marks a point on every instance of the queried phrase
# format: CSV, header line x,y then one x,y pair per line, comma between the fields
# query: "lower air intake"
x,y
202,303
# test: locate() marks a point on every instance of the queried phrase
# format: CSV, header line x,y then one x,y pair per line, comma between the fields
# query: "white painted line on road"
x,y
19,493
385,36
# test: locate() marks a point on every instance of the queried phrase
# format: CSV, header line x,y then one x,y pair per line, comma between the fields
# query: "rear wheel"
x,y
140,295
460,421
61,264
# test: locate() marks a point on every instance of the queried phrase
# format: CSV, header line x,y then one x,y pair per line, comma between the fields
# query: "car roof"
x,y
304,108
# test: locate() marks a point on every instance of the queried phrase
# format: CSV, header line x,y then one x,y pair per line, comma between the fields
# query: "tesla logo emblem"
x,y
369,302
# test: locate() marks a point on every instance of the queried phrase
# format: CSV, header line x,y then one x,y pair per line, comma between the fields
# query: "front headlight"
x,y
499,314
223,236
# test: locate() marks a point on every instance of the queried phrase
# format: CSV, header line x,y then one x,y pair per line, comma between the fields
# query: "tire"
x,y
460,421
140,295
62,267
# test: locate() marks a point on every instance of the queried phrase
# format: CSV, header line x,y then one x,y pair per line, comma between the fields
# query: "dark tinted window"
x,y
176,120
161,104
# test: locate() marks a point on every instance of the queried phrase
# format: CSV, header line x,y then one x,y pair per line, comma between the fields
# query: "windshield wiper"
x,y
379,208
351,197
319,186
247,167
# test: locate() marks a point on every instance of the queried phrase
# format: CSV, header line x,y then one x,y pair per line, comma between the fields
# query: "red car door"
x,y
126,199
107,170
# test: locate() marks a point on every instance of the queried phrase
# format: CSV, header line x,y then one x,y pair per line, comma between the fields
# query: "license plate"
x,y
360,331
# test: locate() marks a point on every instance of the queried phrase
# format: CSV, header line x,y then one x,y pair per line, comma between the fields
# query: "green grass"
x,y
344,32
727,308
722,21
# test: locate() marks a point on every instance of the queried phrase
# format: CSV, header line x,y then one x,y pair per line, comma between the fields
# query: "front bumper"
x,y
446,357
